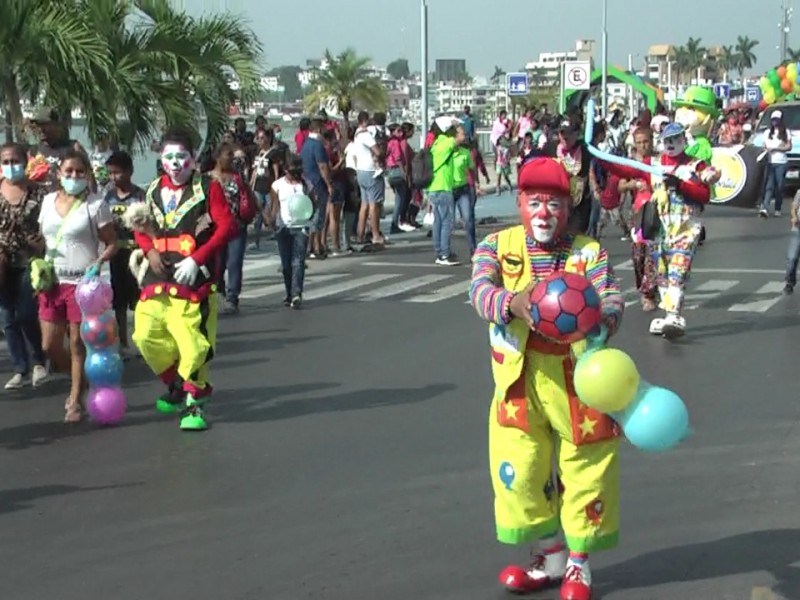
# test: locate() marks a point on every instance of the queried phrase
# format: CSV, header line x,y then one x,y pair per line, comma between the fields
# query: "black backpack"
x,y
422,169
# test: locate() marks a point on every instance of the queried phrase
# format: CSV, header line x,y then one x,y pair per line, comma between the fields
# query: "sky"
x,y
489,33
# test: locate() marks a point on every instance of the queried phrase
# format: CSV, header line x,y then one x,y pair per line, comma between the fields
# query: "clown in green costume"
x,y
696,112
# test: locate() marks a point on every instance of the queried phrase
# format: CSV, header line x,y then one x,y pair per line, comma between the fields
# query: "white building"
x,y
271,84
546,70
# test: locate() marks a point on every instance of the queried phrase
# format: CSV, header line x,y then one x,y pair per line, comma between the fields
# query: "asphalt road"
x,y
348,454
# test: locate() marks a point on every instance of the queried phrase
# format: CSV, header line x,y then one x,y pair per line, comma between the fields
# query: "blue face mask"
x,y
13,172
278,136
73,186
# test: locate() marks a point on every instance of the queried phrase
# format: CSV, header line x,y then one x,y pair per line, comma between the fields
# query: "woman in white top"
x,y
777,142
291,237
74,222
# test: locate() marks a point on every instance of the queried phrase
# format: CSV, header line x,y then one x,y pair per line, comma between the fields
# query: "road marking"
x,y
764,593
707,291
379,263
761,306
628,266
338,288
450,291
260,263
401,287
630,292
275,288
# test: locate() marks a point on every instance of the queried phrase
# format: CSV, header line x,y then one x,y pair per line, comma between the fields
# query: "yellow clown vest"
x,y
509,343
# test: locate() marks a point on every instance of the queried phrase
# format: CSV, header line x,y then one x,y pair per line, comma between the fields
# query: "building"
x,y
450,69
664,68
546,70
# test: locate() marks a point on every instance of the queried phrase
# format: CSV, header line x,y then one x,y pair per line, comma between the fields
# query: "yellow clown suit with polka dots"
x,y
176,325
536,420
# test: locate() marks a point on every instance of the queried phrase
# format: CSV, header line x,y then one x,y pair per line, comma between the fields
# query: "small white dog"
x,y
139,217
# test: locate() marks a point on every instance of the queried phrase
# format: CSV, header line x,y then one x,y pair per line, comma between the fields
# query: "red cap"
x,y
544,176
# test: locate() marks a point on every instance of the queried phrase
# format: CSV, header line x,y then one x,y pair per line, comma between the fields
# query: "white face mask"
x,y
674,146
177,163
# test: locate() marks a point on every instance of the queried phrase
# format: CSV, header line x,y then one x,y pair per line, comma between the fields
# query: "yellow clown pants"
x,y
178,335
526,439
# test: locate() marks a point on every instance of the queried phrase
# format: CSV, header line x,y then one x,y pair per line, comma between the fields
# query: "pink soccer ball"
x,y
106,405
100,331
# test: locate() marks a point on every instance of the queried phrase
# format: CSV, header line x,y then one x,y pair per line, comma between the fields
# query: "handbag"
x,y
42,270
648,221
395,176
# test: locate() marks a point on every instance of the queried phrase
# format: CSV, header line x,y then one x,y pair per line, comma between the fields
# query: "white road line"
x,y
401,287
276,288
628,266
625,266
381,263
761,306
449,291
707,291
260,263
628,294
346,286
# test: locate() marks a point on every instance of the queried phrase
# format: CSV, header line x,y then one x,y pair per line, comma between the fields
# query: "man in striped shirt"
x,y
535,413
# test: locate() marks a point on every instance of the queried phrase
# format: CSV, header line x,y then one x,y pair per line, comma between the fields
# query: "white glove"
x,y
186,271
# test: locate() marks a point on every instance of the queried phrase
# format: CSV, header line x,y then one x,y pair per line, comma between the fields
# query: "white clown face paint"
x,y
674,146
177,163
545,217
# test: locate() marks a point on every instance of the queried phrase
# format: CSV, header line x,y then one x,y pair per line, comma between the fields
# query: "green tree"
x,y
46,50
727,61
682,63
398,69
745,57
288,77
793,55
696,55
346,84
498,75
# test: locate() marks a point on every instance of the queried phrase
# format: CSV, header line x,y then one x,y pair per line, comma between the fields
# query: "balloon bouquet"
x,y
780,83
103,366
565,308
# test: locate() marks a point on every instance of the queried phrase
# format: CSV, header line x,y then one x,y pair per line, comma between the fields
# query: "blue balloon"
x,y
507,474
656,420
103,369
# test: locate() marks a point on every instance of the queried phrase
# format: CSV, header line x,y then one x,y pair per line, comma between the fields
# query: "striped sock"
x,y
578,558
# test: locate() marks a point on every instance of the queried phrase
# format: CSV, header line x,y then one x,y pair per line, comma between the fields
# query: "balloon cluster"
x,y
103,366
778,83
653,418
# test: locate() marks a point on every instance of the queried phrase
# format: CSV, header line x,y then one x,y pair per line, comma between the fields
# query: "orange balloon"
x,y
781,71
786,85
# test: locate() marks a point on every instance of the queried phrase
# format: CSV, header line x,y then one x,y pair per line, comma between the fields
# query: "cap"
x,y
44,115
445,123
545,176
672,130
776,114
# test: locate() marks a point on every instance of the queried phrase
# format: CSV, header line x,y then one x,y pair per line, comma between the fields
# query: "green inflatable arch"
x,y
652,95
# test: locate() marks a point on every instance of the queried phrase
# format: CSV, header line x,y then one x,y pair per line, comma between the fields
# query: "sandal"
x,y
73,412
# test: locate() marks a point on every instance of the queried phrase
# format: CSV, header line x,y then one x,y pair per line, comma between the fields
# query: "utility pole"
x,y
785,26
423,7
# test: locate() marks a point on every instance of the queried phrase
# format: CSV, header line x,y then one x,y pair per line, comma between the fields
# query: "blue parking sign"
x,y
517,84
722,90
752,94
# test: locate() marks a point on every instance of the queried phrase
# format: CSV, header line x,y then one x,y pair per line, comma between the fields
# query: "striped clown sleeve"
x,y
486,292
601,274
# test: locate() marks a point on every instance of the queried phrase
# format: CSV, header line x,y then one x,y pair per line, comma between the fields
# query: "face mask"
x,y
73,185
14,172
177,163
674,146
278,136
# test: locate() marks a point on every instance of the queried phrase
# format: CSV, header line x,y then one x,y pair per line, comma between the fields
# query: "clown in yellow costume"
x,y
536,419
181,231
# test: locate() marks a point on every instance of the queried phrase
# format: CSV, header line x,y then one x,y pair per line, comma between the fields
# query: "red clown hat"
x,y
544,176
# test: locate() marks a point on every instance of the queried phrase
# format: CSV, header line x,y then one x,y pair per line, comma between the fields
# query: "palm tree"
x,y
696,55
745,57
499,74
47,50
726,61
793,55
682,63
346,83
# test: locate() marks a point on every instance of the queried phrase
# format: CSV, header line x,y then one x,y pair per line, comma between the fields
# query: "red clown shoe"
x,y
577,584
544,571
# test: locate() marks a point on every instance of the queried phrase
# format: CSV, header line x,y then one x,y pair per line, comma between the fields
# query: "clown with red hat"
x,y
536,415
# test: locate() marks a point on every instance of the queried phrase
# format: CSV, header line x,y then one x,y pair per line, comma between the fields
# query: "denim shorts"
x,y
373,189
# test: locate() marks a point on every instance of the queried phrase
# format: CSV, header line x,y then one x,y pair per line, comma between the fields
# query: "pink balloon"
x,y
106,405
99,331
94,296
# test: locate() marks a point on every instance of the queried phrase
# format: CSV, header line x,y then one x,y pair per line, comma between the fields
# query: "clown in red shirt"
x,y
181,230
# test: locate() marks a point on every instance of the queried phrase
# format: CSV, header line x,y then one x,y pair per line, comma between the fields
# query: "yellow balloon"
x,y
606,380
791,72
769,97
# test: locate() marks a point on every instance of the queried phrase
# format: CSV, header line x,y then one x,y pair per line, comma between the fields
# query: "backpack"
x,y
422,169
247,208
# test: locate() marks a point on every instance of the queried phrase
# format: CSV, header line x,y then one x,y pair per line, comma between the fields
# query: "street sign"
x,y
517,84
752,94
722,90
578,75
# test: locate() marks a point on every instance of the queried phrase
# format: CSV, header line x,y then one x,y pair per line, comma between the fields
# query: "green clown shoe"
x,y
701,99
171,401
193,418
